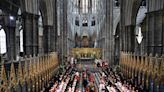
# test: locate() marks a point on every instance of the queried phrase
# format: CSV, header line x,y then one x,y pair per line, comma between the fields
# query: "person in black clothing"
x,y
141,89
98,64
85,82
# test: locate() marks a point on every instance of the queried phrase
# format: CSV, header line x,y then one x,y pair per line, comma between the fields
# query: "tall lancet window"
x,y
75,8
86,5
94,6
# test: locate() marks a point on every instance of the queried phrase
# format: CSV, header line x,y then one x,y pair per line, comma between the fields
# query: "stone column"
x,y
53,38
155,25
125,39
122,23
30,33
158,33
55,26
11,41
62,27
109,38
130,41
35,35
59,28
46,38
106,33
65,33
17,30
163,32
150,34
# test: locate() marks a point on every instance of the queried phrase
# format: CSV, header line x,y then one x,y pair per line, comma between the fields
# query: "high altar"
x,y
86,56
86,53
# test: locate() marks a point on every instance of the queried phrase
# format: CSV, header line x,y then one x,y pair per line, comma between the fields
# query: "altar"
x,y
86,53
85,57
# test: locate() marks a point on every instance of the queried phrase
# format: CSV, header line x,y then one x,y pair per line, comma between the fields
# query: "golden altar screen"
x,y
79,53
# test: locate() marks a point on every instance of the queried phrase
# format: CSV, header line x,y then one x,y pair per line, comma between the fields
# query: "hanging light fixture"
x,y
11,17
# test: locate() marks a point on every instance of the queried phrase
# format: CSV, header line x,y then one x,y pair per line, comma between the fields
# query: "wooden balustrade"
x,y
146,68
32,73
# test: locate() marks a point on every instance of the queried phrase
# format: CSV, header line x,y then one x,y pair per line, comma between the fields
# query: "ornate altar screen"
x,y
86,53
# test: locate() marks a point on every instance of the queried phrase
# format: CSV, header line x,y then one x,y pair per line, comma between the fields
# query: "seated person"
x,y
91,87
85,82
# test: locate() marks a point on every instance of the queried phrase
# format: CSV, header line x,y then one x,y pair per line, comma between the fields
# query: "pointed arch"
x,y
134,11
2,41
131,10
30,6
43,11
46,5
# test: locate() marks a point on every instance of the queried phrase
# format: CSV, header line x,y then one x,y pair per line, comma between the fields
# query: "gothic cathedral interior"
x,y
81,45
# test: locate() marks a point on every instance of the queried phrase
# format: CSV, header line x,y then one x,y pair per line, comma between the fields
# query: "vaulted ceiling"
x,y
10,6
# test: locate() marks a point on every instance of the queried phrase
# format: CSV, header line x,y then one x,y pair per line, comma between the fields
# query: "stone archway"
x,y
140,29
30,13
128,21
134,11
49,33
2,41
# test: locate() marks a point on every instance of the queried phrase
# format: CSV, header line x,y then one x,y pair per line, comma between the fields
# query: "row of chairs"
x,y
66,82
118,83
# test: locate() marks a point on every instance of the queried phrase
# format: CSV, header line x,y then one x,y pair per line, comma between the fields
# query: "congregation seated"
x,y
66,81
118,83
106,80
88,82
